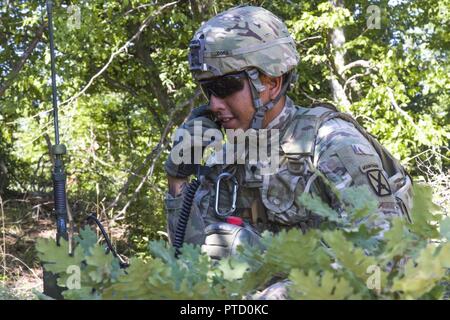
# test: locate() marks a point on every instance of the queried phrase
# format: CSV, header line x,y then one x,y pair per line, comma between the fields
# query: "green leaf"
x,y
360,202
161,249
232,269
134,284
425,214
307,248
445,228
422,274
364,237
56,258
317,206
399,241
352,260
312,286
87,239
105,266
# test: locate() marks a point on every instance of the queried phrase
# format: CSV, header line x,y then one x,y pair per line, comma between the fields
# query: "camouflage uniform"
x,y
316,138
341,153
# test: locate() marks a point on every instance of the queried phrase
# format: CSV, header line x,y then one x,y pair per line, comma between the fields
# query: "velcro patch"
x,y
378,182
369,166
362,149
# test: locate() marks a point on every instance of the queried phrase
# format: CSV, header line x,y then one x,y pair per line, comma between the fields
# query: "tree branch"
x,y
121,86
352,82
143,26
154,154
300,43
16,69
308,96
354,64
400,110
155,85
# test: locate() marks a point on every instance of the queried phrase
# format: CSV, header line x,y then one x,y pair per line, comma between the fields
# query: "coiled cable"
x,y
184,215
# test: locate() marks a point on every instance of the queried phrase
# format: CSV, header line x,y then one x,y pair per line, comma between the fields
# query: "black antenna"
x,y
58,150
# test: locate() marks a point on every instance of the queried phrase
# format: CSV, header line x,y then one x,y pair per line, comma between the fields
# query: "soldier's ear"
x,y
273,85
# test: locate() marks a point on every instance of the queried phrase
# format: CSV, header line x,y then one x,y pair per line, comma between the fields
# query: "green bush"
x,y
347,258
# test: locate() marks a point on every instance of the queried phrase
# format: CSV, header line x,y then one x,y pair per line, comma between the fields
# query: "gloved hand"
x,y
222,239
277,291
202,116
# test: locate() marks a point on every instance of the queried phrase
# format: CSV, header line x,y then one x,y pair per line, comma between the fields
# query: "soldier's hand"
x,y
222,239
195,127
277,291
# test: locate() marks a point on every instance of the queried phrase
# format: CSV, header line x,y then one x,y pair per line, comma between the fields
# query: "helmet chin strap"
x,y
256,88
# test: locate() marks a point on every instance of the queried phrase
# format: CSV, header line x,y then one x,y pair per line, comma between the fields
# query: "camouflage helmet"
x,y
240,38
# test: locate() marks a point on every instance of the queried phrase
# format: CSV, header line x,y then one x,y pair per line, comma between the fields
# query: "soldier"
x,y
244,60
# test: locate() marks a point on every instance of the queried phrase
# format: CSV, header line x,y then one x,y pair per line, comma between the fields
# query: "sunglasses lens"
x,y
223,87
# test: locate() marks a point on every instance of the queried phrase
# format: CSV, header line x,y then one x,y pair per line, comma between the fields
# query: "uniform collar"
x,y
284,117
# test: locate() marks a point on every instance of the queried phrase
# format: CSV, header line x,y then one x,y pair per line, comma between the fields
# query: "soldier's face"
x,y
234,111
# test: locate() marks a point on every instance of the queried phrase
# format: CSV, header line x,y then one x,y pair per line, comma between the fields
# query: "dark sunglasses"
x,y
223,86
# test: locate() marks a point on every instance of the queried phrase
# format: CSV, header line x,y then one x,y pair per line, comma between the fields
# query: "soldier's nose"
x,y
216,105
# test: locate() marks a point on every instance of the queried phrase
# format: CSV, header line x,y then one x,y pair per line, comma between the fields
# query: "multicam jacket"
x,y
315,138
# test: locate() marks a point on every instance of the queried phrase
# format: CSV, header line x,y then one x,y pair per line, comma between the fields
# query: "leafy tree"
x,y
124,85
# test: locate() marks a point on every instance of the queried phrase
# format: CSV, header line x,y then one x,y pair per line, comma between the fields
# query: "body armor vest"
x,y
268,201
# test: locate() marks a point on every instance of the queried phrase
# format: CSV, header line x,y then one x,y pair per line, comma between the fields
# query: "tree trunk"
x,y
3,176
336,43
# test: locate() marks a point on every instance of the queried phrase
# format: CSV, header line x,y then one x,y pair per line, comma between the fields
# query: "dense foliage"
x,y
342,260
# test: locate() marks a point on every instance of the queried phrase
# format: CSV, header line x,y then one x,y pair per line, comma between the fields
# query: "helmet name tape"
x,y
235,52
220,53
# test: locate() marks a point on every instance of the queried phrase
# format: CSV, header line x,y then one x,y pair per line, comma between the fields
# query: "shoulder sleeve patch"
x,y
365,169
378,182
